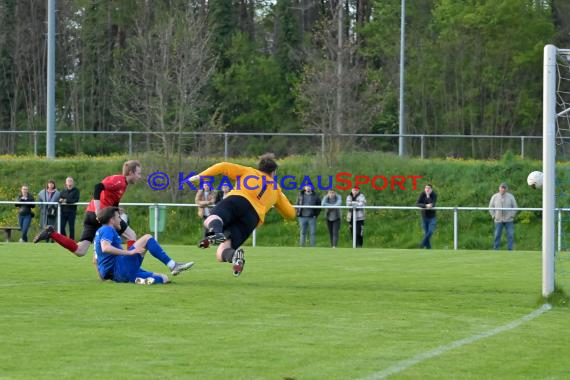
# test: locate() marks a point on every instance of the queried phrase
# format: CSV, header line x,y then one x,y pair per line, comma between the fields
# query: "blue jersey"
x,y
106,261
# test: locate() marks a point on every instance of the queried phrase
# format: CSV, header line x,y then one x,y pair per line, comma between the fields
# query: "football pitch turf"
x,y
295,313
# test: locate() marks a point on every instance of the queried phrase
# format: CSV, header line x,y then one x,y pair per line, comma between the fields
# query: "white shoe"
x,y
238,262
144,281
181,267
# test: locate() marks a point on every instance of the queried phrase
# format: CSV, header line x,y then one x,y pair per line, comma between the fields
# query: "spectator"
x,y
205,199
48,213
426,201
333,215
356,199
25,213
308,216
503,218
69,195
222,194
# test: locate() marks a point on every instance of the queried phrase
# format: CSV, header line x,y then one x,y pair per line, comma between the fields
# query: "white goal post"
x,y
551,83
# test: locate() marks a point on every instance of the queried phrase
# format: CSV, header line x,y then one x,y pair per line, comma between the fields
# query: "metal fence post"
x,y
254,238
522,147
156,222
225,146
559,230
455,229
130,143
322,144
35,143
58,218
422,147
353,227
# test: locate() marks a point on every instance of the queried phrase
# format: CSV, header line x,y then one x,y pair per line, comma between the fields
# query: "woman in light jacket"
x,y
333,215
48,213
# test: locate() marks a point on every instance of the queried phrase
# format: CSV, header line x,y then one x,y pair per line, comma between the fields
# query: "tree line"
x,y
323,66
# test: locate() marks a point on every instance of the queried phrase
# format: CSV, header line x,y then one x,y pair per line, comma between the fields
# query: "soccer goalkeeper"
x,y
233,220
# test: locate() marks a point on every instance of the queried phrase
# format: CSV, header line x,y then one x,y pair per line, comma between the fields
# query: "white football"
x,y
534,180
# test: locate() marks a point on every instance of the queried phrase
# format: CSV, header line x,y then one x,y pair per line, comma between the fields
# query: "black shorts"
x,y
239,217
91,225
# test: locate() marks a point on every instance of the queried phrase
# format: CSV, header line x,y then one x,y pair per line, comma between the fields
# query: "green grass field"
x,y
293,314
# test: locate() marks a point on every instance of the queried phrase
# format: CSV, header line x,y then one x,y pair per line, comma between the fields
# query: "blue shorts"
x,y
128,268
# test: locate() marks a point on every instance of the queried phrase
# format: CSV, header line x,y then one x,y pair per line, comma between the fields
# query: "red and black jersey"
x,y
115,187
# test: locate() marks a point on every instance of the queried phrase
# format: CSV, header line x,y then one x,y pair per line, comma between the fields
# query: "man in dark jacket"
x,y
308,216
69,195
426,201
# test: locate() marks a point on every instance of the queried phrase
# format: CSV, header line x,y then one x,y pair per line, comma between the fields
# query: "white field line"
x,y
407,363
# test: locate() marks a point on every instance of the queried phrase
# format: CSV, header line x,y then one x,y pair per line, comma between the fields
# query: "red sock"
x,y
64,241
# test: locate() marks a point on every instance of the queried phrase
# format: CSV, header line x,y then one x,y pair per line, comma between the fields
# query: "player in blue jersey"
x,y
120,265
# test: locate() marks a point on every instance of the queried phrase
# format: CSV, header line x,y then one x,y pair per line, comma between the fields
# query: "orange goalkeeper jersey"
x,y
257,187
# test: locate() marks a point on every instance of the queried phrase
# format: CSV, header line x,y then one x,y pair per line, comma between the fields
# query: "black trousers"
x,y
359,233
334,227
68,218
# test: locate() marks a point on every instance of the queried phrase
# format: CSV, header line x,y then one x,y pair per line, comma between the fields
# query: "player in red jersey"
x,y
108,193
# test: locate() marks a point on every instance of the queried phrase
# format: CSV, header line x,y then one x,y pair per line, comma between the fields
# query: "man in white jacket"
x,y
503,218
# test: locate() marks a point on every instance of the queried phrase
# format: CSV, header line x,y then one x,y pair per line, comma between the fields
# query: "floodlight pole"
x,y
339,69
402,122
50,109
548,162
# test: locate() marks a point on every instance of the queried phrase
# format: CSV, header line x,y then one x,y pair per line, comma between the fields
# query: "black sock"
x,y
228,255
216,225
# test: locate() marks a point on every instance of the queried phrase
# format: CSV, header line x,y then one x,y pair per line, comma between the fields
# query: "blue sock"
x,y
158,279
156,250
